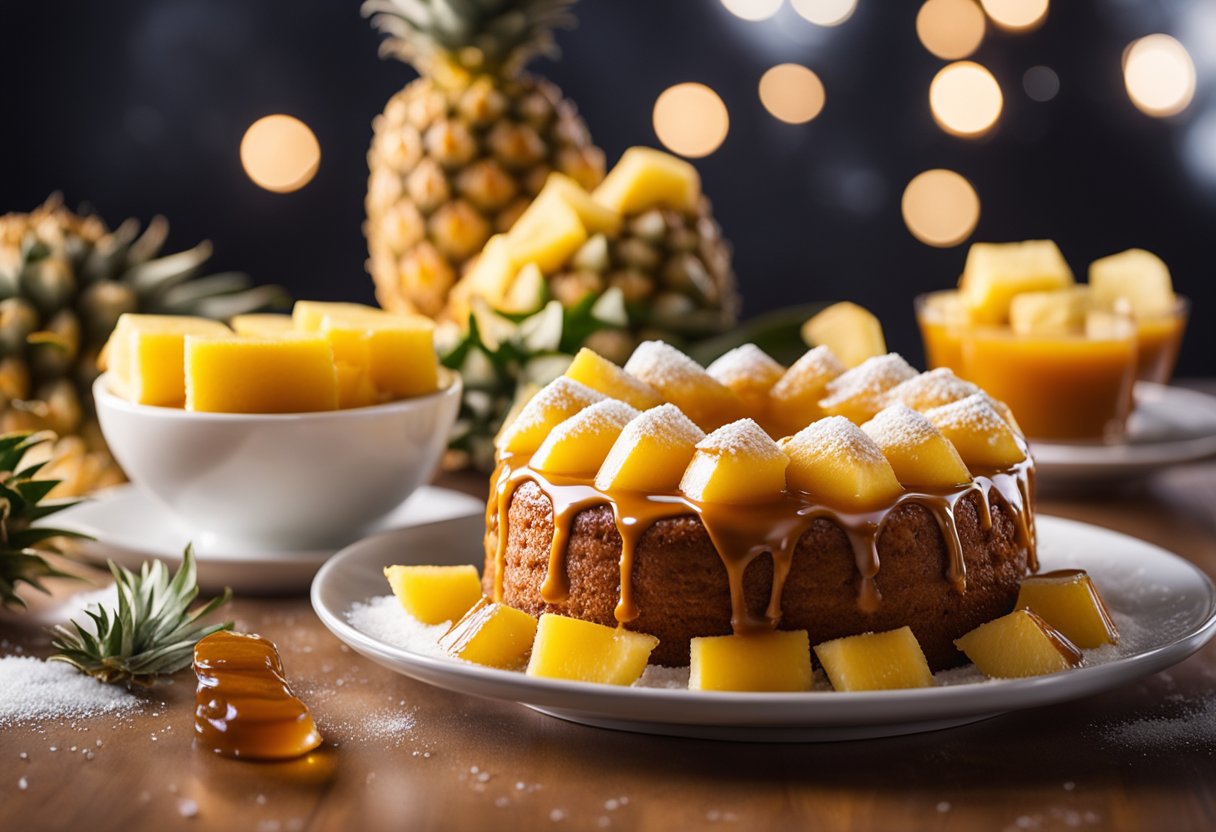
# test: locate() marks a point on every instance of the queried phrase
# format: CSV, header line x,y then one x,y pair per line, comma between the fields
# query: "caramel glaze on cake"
x,y
941,562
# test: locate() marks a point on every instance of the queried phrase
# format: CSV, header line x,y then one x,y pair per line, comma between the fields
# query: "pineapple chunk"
x,y
570,648
862,391
435,594
490,275
978,432
553,404
1069,601
932,389
684,383
645,178
995,272
547,234
596,218
397,350
307,315
527,293
737,463
1056,312
146,356
651,453
1136,277
355,388
598,373
262,325
578,445
875,661
1016,645
834,461
491,634
794,399
776,661
850,331
916,449
252,375
750,373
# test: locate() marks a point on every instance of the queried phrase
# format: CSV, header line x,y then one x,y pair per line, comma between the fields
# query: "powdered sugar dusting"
x,y
562,396
808,374
747,366
610,413
31,689
665,423
867,383
661,365
932,389
742,438
834,437
974,414
899,426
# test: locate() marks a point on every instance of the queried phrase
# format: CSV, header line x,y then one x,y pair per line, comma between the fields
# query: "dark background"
x,y
138,108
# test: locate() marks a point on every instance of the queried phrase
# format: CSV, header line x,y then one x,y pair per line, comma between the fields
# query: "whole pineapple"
x,y
459,153
64,280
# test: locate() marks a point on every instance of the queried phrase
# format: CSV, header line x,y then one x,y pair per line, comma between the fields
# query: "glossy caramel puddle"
x,y
243,706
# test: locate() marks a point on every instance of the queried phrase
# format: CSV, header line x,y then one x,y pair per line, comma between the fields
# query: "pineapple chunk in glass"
x,y
598,373
491,634
776,661
736,464
651,453
918,452
850,331
833,461
578,445
1136,277
1068,600
253,375
1018,644
976,429
145,356
1052,313
553,404
645,178
435,594
570,648
875,661
995,272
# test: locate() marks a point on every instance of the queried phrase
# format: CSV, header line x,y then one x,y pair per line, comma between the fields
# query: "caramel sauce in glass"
x,y
244,706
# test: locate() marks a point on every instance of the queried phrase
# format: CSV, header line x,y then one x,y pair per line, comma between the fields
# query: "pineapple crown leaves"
x,y
150,633
475,36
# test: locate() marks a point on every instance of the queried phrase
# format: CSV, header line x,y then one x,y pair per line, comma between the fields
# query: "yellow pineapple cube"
x,y
490,276
850,331
918,452
833,461
875,661
794,399
996,272
547,234
1054,312
598,373
1068,600
491,634
355,388
651,453
578,445
254,375
569,648
932,389
776,661
596,218
1016,645
397,350
435,594
145,356
527,291
307,315
750,374
645,178
553,404
978,432
684,383
262,325
862,391
737,463
1136,277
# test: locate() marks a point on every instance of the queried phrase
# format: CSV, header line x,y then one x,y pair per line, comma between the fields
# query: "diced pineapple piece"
x,y
645,178
851,332
596,218
1056,312
254,375
916,449
1018,644
262,325
598,373
491,634
978,432
553,404
995,272
145,356
578,445
737,463
1101,325
435,594
1069,601
569,648
835,462
750,373
355,388
547,234
490,276
651,453
527,293
307,315
684,383
397,350
932,389
776,661
1135,276
875,661
862,391
794,399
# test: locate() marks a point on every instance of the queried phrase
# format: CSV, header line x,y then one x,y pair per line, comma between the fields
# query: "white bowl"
x,y
279,482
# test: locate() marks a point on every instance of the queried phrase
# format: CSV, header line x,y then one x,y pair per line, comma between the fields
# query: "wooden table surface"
x,y
400,754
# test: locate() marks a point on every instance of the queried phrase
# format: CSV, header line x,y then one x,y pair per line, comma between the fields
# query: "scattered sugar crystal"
x,y
661,365
502,802
31,688
747,366
657,676
899,426
931,389
23,784
868,382
1069,785
187,808
811,372
943,806
974,414
557,815
834,437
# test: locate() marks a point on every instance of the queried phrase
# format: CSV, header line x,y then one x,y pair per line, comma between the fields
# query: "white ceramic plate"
x,y
130,528
1170,426
1170,604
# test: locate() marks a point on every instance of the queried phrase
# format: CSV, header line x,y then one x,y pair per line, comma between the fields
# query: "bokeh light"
x,y
965,99
940,208
950,29
752,9
1159,75
792,93
280,153
825,12
1041,83
690,119
1016,15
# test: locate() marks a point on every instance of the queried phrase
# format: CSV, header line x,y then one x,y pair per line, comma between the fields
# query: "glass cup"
x,y
1158,338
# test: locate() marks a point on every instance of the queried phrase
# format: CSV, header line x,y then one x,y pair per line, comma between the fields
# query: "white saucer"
x,y
1168,604
129,528
1170,426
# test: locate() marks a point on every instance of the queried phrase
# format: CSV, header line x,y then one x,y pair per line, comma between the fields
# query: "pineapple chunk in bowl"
x,y
279,481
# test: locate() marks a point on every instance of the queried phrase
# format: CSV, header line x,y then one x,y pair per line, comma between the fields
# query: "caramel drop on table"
x,y
243,706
